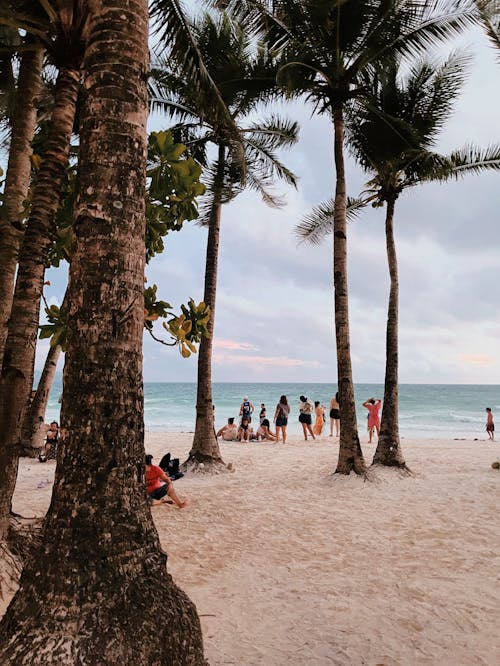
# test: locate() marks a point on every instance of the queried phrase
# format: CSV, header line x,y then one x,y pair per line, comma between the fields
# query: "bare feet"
x,y
181,505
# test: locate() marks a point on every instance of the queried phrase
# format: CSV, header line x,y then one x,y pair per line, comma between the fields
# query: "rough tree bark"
x,y
350,454
97,591
388,451
205,448
17,371
17,180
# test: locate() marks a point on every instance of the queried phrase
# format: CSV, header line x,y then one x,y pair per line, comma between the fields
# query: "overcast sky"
x,y
274,317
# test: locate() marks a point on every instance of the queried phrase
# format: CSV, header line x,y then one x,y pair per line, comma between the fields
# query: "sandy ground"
x,y
290,564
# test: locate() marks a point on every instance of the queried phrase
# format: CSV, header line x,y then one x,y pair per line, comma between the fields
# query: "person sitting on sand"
x,y
264,433
373,407
244,430
229,432
49,449
490,426
159,486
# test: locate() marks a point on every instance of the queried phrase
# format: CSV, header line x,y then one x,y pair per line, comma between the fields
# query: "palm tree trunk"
x,y
17,180
33,427
17,372
33,431
388,450
350,454
205,447
100,566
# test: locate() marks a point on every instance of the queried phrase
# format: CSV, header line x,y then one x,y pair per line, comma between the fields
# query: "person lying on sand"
x,y
264,433
159,486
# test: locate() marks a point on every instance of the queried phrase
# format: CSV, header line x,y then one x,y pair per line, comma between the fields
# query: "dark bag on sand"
x,y
171,467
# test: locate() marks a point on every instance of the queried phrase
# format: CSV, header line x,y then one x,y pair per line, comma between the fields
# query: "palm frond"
x,y
318,224
176,36
489,11
263,163
472,159
430,23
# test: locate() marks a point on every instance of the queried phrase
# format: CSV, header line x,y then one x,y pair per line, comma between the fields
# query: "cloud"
x,y
278,361
232,345
478,359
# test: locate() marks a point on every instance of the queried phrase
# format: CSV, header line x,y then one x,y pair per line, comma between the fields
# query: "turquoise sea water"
x,y
426,410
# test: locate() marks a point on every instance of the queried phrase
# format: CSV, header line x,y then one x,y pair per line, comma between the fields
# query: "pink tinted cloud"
x,y
232,345
253,359
478,359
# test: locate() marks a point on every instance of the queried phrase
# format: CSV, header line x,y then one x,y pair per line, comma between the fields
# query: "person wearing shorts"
x,y
335,415
159,486
281,418
305,416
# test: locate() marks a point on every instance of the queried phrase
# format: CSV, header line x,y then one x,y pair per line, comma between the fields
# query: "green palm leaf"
x,y
318,224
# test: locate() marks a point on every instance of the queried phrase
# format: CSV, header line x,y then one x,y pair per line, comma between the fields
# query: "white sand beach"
x,y
290,564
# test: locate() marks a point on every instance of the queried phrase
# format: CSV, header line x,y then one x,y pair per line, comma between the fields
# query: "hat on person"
x,y
245,397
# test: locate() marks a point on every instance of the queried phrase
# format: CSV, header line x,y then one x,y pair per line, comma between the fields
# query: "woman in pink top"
x,y
373,407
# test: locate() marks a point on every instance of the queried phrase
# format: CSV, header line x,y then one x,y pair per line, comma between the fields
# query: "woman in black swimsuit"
x,y
335,415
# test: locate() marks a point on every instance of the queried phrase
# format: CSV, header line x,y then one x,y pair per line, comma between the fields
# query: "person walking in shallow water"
x,y
490,426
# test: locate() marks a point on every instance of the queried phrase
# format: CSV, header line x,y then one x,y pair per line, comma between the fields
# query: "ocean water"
x,y
425,410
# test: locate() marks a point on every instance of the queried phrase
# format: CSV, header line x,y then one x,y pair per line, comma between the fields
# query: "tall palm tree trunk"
x,y
33,428
34,425
17,180
350,454
388,450
205,447
19,357
100,566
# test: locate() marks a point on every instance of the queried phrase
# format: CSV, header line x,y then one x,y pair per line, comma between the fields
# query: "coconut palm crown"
x,y
245,75
393,137
326,47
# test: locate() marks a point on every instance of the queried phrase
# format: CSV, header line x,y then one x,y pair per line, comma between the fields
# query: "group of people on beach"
x,y
244,431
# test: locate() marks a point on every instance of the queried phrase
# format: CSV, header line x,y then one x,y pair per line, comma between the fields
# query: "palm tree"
x,y
62,27
244,81
326,47
392,138
17,179
100,558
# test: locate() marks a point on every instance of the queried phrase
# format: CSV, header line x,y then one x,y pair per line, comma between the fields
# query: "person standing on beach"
x,y
335,415
306,409
246,409
490,426
262,413
320,418
373,406
281,418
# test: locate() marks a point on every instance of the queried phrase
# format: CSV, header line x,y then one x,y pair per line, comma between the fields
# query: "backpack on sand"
x,y
171,466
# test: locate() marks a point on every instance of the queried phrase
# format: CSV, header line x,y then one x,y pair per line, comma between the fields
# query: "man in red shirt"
x,y
159,485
